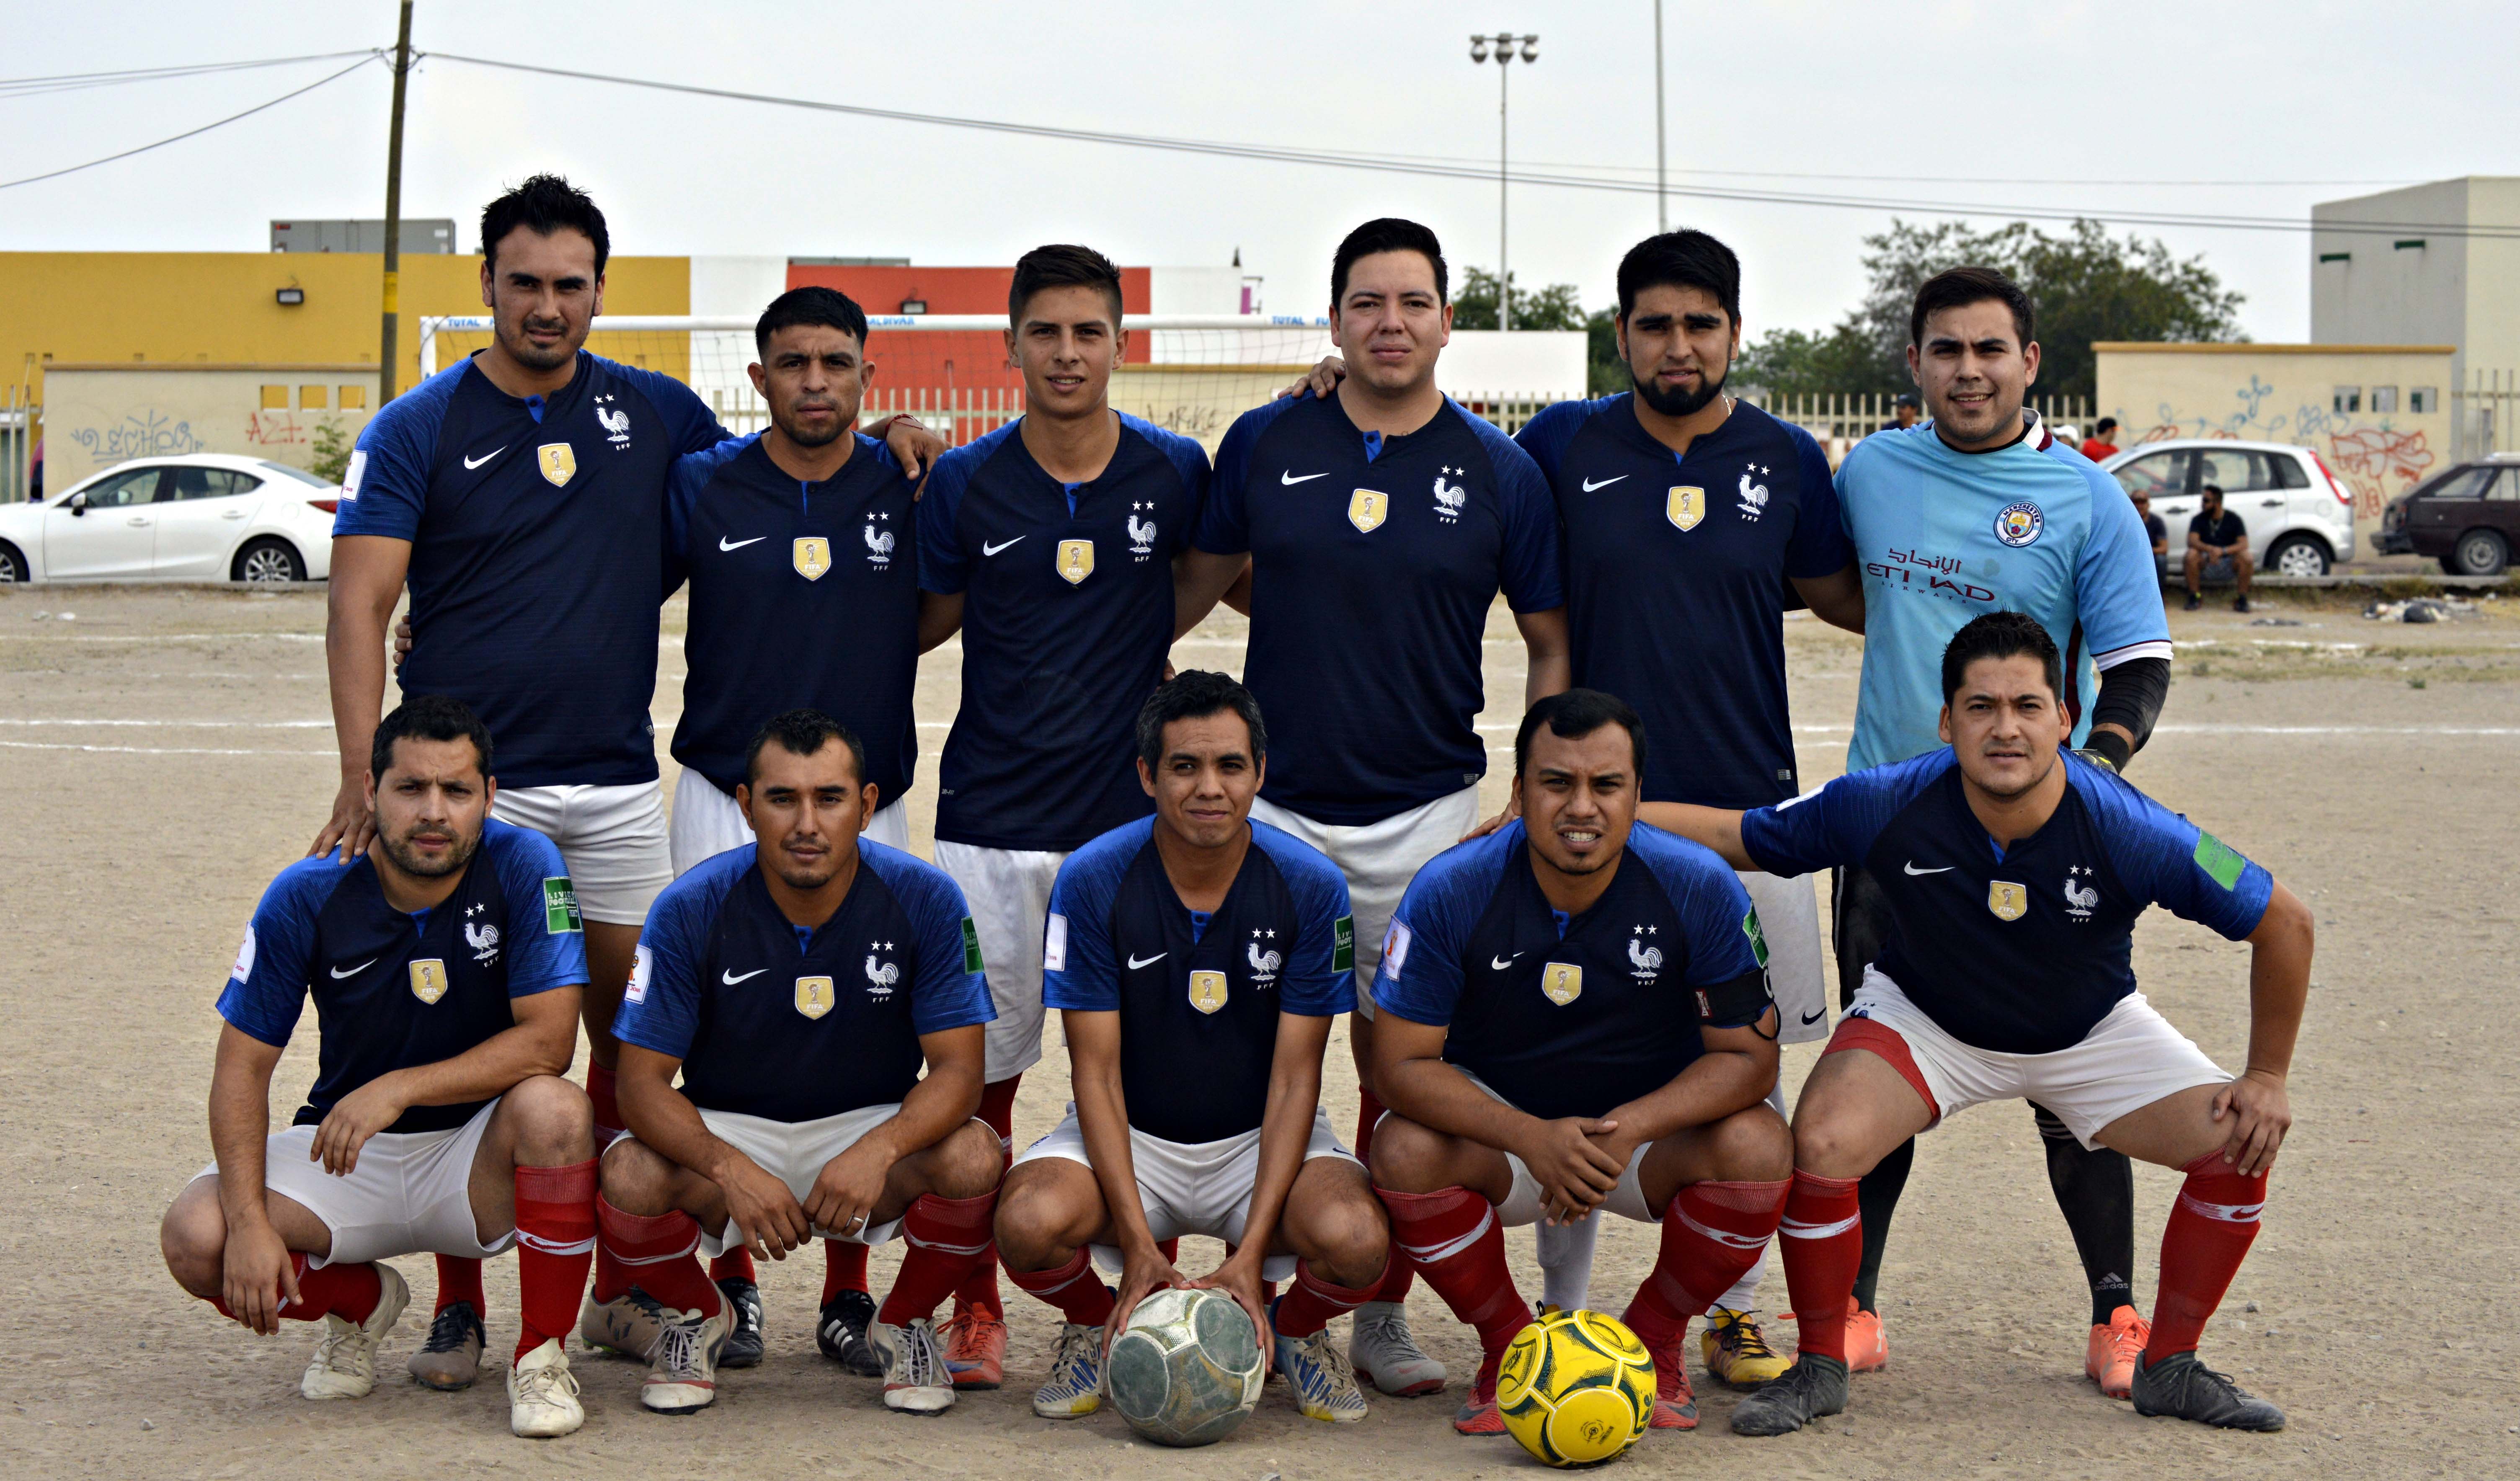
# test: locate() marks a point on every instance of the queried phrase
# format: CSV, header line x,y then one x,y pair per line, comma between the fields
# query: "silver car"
x,y
205,516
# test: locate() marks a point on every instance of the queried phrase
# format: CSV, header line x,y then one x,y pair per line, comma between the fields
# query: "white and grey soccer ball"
x,y
1187,1369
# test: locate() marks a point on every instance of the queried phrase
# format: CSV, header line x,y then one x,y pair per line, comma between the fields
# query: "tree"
x,y
1475,303
332,449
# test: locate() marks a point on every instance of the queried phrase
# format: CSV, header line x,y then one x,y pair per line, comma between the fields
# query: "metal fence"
x,y
2483,414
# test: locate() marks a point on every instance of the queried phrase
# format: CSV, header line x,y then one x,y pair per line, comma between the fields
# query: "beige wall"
x,y
2288,393
97,416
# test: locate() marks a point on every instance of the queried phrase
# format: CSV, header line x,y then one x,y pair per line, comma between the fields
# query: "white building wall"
x,y
2380,287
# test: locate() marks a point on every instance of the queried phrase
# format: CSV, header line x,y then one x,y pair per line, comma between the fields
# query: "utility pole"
x,y
1662,200
1504,52
388,341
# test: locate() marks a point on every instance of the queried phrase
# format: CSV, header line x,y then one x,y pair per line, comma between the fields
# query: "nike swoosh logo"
x,y
731,979
471,464
1589,485
1290,481
1500,964
338,973
1811,1018
986,548
1135,963
1945,869
725,544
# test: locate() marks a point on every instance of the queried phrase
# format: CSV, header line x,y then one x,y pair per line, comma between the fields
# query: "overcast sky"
x,y
1942,100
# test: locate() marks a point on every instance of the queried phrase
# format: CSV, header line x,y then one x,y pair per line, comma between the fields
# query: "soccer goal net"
x,y
1190,373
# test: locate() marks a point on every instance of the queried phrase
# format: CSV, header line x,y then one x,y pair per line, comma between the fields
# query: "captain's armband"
x,y
1737,1004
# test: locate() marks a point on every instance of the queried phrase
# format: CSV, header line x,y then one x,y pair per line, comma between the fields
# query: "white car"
x,y
208,516
2300,516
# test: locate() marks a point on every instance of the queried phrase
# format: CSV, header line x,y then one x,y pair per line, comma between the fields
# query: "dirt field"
x,y
167,751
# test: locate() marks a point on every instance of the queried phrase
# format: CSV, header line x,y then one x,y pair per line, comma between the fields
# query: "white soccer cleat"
x,y
344,1364
682,1361
1380,1347
916,1380
1319,1372
542,1394
1074,1387
624,1326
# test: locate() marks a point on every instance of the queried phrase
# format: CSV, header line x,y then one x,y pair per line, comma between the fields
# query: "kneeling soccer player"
x,y
2014,872
797,983
1196,959
446,964
1576,1014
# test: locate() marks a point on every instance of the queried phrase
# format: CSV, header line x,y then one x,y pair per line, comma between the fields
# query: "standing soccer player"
x,y
1050,544
1378,523
445,963
1979,509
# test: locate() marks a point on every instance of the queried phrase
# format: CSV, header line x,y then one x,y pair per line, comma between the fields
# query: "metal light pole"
x,y
387,346
1662,200
1505,43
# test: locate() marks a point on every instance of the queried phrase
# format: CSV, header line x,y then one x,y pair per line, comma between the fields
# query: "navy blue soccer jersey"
x,y
1573,1015
1373,562
394,990
2019,950
773,1021
1067,617
1198,993
803,596
1675,567
537,533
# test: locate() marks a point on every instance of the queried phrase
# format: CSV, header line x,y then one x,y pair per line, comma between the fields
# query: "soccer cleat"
x,y
542,1394
915,1378
1380,1347
451,1357
1737,1352
975,1348
1675,1402
624,1326
1479,1415
2239,604
1813,1387
2110,1358
743,1344
683,1361
840,1331
1323,1381
2183,1388
2195,603
1074,1387
344,1362
1868,1348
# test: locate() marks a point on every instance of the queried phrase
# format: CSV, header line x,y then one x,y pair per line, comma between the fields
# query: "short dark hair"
x,y
1962,286
429,717
2215,489
2108,426
1388,233
1061,265
1190,694
1575,713
2001,635
802,733
809,305
1681,259
544,204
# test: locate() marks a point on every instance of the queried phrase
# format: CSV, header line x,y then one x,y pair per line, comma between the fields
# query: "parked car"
x,y
2467,518
2300,516
210,516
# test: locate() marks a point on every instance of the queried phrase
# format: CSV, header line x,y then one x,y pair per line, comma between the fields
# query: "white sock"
x,y
1744,1294
1566,1261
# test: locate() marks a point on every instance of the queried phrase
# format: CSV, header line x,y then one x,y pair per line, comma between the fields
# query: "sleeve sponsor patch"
x,y
1395,948
2221,861
643,967
560,916
1053,945
1343,944
970,946
243,968
1758,938
350,479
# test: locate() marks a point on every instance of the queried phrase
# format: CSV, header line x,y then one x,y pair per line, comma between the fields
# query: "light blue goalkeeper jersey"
x,y
1945,536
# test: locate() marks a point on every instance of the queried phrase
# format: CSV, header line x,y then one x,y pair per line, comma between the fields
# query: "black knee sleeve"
x,y
2095,1191
1877,1198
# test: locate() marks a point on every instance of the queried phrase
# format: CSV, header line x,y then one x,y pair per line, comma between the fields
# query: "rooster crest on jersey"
x,y
485,941
878,542
1754,496
881,976
1264,964
1141,533
1647,960
2079,897
1449,498
613,420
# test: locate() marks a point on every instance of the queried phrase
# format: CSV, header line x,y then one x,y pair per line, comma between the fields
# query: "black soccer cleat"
x,y
451,1357
2183,1388
840,1331
743,1303
1813,1387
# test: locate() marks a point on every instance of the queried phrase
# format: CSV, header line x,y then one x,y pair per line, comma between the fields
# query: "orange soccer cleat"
x,y
976,1348
1868,1351
1478,1412
1675,1402
2110,1358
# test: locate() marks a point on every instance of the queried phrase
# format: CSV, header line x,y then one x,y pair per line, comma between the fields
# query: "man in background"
x,y
2218,546
2097,445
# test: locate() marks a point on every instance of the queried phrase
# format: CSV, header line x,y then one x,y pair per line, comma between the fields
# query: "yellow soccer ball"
x,y
1576,1388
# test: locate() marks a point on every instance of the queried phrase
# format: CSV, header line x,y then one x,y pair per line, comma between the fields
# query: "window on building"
x,y
2384,400
274,398
314,398
2424,400
352,397
2349,399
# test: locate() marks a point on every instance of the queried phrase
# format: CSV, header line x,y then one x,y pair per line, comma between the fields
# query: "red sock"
x,y
459,1279
978,1289
1824,1244
607,1110
1712,1235
555,1245
656,1253
844,1267
1309,1307
736,1265
947,1238
2210,1230
1453,1239
1075,1288
1397,1274
348,1291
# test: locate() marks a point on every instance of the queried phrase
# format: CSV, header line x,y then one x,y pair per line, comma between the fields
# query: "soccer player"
x,y
802,1111
1051,543
446,964
2014,876
1577,1016
1975,510
1196,959
1378,523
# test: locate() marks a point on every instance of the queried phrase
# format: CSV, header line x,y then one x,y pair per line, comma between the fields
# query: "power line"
x,y
63,82
364,58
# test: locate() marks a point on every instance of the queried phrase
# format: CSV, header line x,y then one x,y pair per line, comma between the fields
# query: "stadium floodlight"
x,y
1505,43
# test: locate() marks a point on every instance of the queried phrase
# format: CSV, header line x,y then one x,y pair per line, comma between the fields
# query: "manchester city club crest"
x,y
813,995
2018,524
813,557
558,462
2006,901
1075,561
428,979
1367,508
1686,506
1561,983
1208,991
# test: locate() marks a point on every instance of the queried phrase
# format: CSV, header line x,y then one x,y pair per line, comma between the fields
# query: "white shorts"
x,y
411,1193
1790,920
1191,1189
1379,859
2129,1059
1007,891
793,1152
706,823
613,838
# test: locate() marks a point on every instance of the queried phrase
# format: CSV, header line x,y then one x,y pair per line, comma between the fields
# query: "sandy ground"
x,y
167,751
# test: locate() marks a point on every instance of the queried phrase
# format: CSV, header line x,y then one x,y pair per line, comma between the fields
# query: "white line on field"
x,y
155,637
147,750
191,724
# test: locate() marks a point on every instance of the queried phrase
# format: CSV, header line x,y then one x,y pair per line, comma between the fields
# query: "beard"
x,y
411,861
526,353
1677,403
804,435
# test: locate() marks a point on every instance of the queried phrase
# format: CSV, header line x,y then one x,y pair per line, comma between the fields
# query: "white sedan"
x,y
207,517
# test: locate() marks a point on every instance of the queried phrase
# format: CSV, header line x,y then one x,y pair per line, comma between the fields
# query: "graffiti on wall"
x,y
139,434
2376,460
274,429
